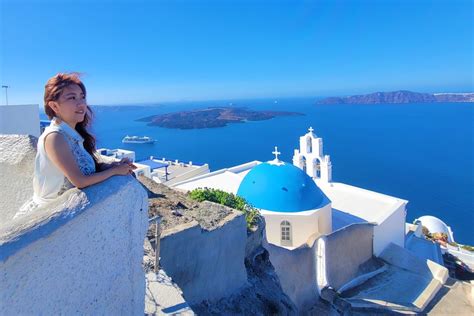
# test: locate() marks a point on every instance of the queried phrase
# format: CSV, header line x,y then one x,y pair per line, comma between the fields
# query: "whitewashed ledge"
x,y
79,255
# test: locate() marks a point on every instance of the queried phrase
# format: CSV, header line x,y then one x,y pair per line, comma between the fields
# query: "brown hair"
x,y
52,91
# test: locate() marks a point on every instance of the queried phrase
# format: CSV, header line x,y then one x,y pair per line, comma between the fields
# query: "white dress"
x,y
48,181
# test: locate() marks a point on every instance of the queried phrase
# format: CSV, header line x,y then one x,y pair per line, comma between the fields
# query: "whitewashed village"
x,y
305,244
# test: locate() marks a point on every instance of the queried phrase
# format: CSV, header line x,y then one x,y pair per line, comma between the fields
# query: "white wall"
x,y
297,271
345,250
80,256
142,168
20,119
206,264
391,230
17,158
303,225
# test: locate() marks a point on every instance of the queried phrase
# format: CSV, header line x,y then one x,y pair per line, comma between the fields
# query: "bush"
x,y
227,199
467,247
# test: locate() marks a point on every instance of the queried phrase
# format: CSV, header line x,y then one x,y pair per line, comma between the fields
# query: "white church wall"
x,y
79,255
20,119
345,251
296,270
207,265
303,225
390,230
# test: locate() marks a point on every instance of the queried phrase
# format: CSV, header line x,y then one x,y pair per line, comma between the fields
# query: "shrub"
x,y
467,247
227,199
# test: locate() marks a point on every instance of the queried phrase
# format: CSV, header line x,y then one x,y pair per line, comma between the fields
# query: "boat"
x,y
137,140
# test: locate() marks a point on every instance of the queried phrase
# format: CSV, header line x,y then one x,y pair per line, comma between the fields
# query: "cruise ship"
x,y
137,140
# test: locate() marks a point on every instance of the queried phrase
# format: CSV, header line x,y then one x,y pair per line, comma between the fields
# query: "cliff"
x,y
401,96
206,250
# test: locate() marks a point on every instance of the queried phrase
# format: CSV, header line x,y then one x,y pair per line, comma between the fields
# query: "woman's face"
x,y
71,106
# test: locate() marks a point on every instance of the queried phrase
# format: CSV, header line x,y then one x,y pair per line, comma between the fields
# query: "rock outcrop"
x,y
206,249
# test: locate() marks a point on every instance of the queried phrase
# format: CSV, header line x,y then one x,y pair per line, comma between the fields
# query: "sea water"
x,y
419,152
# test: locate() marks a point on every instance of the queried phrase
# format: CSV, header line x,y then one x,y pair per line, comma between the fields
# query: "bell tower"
x,y
311,159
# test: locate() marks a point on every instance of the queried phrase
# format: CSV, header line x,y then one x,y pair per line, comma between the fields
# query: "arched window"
x,y
285,228
317,168
309,145
303,163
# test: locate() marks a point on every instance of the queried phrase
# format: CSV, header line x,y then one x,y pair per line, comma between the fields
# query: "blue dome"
x,y
281,188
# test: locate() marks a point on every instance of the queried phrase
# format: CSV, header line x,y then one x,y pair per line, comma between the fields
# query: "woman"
x,y
66,155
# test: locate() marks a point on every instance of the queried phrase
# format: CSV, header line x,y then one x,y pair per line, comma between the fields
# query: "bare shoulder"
x,y
54,138
55,141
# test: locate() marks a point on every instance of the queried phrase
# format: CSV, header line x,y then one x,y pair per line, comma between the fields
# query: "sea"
x,y
419,152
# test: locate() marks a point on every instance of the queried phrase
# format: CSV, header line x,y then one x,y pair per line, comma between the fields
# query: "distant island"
x,y
211,117
401,96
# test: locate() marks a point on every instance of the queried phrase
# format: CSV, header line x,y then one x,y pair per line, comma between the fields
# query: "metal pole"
x,y
157,245
157,220
6,93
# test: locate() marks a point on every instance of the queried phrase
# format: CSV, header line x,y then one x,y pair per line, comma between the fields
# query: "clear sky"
x,y
152,51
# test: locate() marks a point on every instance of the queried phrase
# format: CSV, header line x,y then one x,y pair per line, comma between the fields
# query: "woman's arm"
x,y
105,165
60,154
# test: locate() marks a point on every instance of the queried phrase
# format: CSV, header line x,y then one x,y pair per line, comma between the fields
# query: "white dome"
x,y
435,225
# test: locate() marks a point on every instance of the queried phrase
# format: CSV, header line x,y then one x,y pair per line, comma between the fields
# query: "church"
x,y
319,233
300,202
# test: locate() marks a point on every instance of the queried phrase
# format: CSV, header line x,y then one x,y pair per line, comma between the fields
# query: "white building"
x,y
285,211
168,171
20,119
117,154
295,209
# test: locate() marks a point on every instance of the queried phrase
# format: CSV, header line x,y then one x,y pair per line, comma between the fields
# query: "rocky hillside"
x,y
262,296
402,96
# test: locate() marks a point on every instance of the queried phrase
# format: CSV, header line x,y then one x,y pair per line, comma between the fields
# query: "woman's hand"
x,y
122,168
125,160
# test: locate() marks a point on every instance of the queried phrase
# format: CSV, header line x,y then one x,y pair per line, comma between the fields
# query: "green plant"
x,y
467,247
227,199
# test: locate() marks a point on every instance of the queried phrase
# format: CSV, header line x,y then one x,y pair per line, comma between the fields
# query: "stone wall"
x,y
17,159
81,254
206,264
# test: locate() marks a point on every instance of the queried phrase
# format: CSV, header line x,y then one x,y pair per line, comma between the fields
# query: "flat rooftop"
x,y
366,205
227,179
159,168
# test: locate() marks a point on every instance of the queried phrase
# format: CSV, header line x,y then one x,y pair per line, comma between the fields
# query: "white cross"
x,y
310,129
276,153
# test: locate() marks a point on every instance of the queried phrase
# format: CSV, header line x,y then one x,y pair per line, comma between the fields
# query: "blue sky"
x,y
152,51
